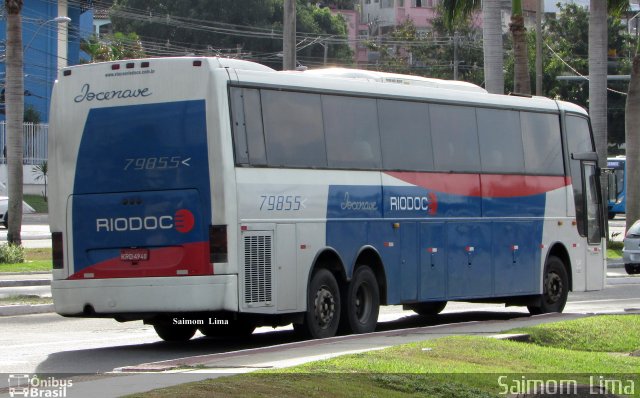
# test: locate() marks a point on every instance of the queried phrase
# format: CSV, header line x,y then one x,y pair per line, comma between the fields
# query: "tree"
x,y
113,48
521,80
249,28
41,170
14,96
598,77
491,35
632,135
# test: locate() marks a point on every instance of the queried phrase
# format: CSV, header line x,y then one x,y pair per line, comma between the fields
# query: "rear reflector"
x,y
115,67
197,63
57,250
66,72
218,243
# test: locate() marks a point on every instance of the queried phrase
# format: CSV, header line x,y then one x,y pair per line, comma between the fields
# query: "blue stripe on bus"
x,y
437,246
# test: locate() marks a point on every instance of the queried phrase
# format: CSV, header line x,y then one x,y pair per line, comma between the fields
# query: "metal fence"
x,y
35,142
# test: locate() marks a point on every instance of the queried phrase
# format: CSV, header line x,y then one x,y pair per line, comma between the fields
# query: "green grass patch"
x,y
460,366
610,333
614,253
36,260
37,202
25,299
614,249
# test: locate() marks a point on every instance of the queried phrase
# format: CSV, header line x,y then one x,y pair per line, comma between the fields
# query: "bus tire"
x,y
611,215
5,223
555,288
323,307
175,333
361,303
429,309
233,329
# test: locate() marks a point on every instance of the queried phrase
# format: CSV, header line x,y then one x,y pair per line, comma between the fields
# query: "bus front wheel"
x,y
361,303
555,288
323,307
175,333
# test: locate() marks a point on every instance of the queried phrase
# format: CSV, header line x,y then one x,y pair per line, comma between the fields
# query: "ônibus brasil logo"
x,y
182,221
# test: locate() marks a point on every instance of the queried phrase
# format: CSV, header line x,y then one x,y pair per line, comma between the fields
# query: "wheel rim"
x,y
362,302
554,287
324,307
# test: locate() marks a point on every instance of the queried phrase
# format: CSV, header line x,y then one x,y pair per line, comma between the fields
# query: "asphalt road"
x,y
50,343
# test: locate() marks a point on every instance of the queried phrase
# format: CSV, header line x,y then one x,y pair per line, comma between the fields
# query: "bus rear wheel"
x,y
323,307
237,328
361,303
555,289
175,333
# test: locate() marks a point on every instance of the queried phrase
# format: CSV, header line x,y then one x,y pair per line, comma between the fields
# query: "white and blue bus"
x,y
617,168
192,190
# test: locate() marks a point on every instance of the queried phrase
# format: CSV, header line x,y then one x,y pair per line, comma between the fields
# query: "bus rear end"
x,y
131,209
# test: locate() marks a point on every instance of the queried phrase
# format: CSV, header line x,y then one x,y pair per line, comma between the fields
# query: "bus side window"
x,y
248,134
352,133
238,126
542,143
501,149
455,138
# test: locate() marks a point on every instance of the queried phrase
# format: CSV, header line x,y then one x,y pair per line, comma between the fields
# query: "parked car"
x,y
631,250
4,206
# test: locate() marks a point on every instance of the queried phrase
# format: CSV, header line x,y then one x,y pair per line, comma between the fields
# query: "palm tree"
x,y
632,138
598,76
41,170
491,36
521,79
14,103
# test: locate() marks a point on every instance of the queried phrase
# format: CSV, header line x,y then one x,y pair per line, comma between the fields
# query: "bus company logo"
x,y
182,221
87,95
428,203
24,385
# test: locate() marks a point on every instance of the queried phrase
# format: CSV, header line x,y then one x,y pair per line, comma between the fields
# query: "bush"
x,y
11,254
615,245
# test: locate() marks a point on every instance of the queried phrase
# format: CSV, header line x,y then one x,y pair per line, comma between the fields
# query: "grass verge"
x,y
36,260
25,299
37,202
460,366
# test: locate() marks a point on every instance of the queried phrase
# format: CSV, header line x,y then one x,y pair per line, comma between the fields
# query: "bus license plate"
x,y
134,255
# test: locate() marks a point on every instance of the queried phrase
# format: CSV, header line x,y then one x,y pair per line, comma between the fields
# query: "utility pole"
x,y
289,36
455,55
539,48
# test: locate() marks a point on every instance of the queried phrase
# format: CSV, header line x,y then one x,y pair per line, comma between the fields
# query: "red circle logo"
x,y
184,221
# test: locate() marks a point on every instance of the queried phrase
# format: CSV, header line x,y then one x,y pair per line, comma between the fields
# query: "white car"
x,y
4,213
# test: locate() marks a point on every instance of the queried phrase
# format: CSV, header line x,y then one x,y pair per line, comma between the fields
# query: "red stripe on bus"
x,y
484,185
186,260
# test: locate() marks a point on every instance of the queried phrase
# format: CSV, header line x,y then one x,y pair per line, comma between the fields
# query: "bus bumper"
x,y
105,297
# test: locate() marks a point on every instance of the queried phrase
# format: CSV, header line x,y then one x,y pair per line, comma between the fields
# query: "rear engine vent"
x,y
258,264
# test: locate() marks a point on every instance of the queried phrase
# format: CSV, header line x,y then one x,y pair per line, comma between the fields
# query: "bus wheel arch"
x,y
560,251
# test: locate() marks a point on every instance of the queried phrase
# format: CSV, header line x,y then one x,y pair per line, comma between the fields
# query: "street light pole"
x,y
59,20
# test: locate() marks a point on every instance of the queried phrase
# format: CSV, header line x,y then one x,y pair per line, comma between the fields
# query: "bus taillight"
x,y
57,250
218,243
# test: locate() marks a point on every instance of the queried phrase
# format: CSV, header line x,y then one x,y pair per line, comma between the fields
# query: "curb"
x,y
26,309
25,282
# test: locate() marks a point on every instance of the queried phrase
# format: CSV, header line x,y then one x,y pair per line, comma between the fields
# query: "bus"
x,y
220,195
616,168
